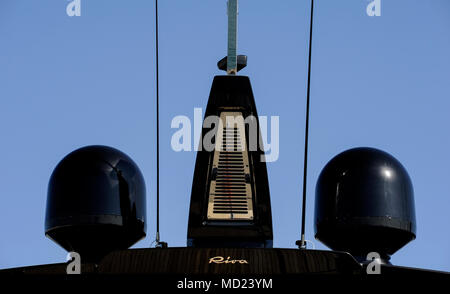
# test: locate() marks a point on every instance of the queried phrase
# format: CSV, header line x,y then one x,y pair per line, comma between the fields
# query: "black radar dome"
x,y
96,202
365,203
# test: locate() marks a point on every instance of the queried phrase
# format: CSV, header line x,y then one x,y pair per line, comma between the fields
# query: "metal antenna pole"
x,y
232,37
302,242
159,244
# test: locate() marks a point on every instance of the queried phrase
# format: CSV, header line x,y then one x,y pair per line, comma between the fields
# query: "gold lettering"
x,y
221,260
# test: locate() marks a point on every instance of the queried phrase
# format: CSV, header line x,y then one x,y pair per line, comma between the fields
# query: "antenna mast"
x,y
232,37
232,63
158,242
302,242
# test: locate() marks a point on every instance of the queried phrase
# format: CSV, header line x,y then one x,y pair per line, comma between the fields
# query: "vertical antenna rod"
x,y
232,37
157,240
302,242
157,124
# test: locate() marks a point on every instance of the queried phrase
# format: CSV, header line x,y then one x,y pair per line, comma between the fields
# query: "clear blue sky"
x,y
68,82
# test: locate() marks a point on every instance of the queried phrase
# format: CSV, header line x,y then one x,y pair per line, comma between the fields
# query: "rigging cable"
x,y
302,242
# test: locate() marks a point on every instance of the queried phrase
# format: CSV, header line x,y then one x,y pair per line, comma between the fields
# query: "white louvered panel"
x,y
230,194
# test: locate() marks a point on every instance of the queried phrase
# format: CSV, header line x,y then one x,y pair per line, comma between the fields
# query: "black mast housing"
x,y
230,93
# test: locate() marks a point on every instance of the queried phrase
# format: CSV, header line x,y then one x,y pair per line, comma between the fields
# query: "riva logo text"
x,y
228,260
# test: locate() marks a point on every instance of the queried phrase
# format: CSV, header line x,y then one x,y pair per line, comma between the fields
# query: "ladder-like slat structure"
x,y
230,193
